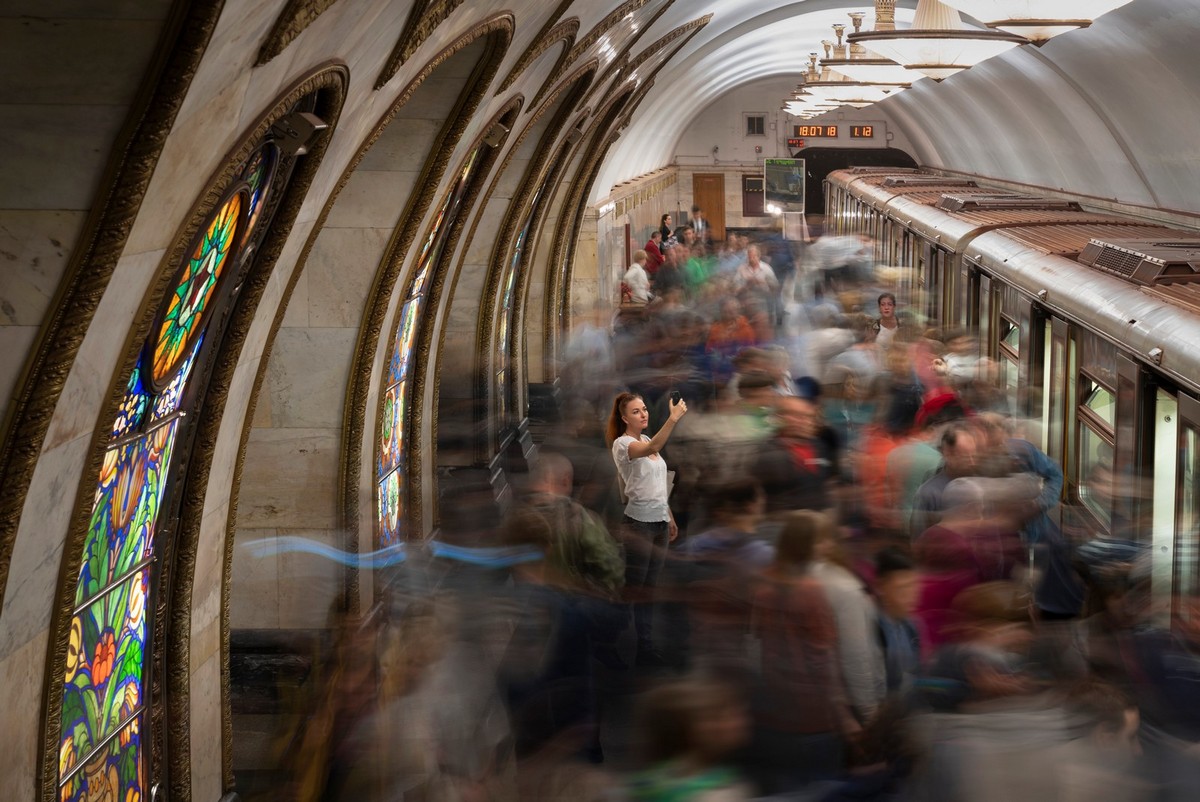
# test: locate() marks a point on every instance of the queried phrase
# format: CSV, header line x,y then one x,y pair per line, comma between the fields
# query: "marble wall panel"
x,y
253,600
190,156
289,479
436,97
53,155
399,149
205,723
20,698
34,249
15,344
372,200
309,584
307,376
74,61
296,314
210,551
205,640
340,269
37,553
92,374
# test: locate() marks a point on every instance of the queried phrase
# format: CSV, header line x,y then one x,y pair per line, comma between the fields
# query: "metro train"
x,y
1093,321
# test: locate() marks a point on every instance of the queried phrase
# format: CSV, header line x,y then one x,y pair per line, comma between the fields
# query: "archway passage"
x,y
820,162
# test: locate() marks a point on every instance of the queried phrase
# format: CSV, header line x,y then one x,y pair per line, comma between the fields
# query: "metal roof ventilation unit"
x,y
1146,261
863,170
927,181
984,202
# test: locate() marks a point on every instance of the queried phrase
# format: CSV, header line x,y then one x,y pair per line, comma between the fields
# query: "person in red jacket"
x,y
654,255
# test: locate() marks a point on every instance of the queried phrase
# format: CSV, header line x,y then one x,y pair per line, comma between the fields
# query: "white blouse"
x,y
644,480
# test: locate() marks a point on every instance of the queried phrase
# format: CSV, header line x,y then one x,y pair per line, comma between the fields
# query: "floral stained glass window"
x,y
104,714
392,455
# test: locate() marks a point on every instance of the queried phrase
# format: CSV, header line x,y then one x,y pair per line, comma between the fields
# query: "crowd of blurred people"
x,y
785,540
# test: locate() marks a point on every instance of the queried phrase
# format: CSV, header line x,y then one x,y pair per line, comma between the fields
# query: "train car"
x,y
1094,322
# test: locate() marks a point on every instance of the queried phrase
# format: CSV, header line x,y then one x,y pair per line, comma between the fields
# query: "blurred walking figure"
x,y
690,728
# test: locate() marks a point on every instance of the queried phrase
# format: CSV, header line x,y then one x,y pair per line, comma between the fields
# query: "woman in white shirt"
x,y
648,524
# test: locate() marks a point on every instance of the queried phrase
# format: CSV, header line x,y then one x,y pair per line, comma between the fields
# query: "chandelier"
x,y
859,65
1036,20
938,44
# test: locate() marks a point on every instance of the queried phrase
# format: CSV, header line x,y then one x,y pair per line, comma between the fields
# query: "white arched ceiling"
x,y
1109,111
742,43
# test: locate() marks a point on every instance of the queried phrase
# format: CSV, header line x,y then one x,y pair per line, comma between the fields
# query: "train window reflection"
x,y
1095,473
1011,337
1166,436
1189,514
1102,402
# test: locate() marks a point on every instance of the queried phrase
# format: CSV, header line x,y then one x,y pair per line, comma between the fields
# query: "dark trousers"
x,y
645,553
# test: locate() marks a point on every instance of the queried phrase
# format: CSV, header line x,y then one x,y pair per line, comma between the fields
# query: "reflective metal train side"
x,y
1110,370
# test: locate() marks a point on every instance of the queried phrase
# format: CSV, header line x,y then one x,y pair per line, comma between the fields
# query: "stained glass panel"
x,y
390,510
125,511
391,458
114,773
406,335
259,173
133,406
197,283
168,400
105,669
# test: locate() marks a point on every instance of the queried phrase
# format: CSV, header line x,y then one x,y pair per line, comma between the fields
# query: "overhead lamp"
x,y
1036,20
865,67
938,44
835,87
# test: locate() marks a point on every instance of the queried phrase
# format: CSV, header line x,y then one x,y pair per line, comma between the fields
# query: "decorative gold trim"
x,y
174,596
593,36
628,65
549,35
506,115
362,380
535,173
291,22
331,81
567,232
127,174
131,163
423,20
559,288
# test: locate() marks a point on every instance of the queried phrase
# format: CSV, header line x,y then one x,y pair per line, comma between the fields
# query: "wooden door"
x,y
708,192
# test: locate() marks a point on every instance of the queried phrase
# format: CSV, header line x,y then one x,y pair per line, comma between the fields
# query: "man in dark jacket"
x,y
794,467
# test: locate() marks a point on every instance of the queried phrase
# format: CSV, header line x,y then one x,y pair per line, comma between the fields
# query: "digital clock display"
x,y
862,131
816,131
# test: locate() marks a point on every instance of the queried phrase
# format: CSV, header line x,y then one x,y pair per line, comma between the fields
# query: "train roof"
x,y
1038,251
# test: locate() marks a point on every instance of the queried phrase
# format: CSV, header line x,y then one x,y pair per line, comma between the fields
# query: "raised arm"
x,y
641,448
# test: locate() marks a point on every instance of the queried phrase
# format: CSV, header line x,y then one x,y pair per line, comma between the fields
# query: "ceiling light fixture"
x,y
862,66
938,44
1036,20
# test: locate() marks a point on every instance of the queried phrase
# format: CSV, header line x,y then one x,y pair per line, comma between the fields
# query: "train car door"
x,y
1186,572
